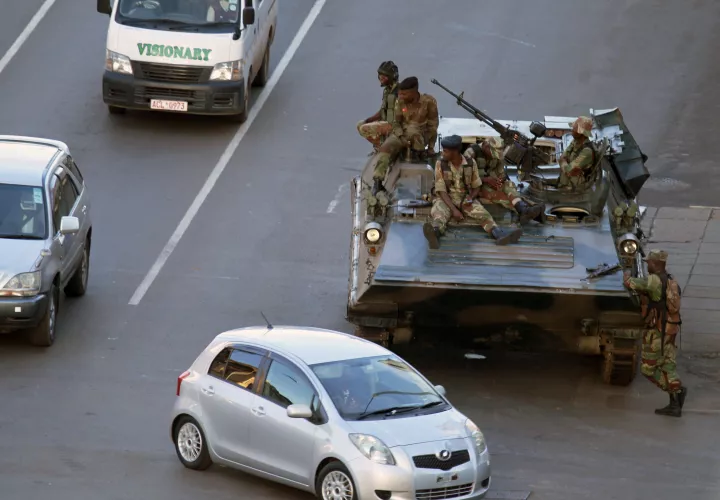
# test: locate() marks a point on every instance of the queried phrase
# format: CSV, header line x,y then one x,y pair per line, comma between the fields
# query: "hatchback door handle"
x,y
84,208
208,390
259,411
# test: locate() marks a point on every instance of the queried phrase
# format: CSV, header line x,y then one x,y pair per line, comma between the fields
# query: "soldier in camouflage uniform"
x,y
660,296
579,157
415,126
457,184
496,187
376,128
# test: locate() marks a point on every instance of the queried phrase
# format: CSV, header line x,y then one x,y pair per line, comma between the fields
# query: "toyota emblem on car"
x,y
444,455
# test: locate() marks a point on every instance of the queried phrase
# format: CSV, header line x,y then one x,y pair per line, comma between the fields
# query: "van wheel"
x,y
77,286
114,110
43,335
190,444
242,117
264,74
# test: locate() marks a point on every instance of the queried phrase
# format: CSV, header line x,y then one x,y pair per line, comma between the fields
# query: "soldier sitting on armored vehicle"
x,y
578,158
415,126
497,188
377,127
457,184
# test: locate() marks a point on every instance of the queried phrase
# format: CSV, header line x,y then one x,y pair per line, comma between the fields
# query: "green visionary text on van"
x,y
155,50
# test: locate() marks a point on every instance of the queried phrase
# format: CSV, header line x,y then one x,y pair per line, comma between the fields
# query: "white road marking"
x,y
515,40
225,158
341,190
25,34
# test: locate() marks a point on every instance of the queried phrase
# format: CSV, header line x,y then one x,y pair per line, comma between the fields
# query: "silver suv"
x,y
45,234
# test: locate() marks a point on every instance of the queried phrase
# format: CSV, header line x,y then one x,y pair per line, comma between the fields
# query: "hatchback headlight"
x,y
477,437
117,63
22,285
373,448
628,244
227,71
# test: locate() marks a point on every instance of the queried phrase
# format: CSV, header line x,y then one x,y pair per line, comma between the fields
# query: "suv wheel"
x,y
43,335
77,286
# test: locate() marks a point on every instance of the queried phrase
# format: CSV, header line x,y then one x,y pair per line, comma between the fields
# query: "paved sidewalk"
x,y
691,236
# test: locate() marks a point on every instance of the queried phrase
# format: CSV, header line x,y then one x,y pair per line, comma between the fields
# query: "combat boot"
x,y
432,234
528,212
505,236
377,187
673,409
681,396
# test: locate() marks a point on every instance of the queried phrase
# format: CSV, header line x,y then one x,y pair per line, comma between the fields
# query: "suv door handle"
x,y
259,411
208,390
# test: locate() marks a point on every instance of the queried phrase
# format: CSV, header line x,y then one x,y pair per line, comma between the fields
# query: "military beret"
x,y
451,142
660,255
409,83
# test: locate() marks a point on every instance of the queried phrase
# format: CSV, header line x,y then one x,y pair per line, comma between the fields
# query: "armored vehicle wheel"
x,y
620,363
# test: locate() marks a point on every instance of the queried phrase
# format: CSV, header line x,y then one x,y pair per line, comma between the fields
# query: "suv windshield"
x,y
377,387
178,14
22,212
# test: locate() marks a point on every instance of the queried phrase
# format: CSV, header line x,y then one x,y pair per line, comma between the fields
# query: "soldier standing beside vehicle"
x,y
457,184
579,157
496,187
376,128
660,296
415,126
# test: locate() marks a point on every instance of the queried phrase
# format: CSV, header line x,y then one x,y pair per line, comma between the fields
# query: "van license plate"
x,y
168,105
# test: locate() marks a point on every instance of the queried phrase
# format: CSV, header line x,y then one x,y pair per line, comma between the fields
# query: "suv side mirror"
x,y
299,411
104,6
69,225
248,16
440,389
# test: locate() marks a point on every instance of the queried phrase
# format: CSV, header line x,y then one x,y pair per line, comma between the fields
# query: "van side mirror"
x,y
299,411
69,225
440,389
248,16
104,6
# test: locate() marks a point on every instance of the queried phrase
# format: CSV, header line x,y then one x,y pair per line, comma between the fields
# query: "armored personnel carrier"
x,y
559,288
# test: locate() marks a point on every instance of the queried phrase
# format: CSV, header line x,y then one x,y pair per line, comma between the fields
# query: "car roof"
x,y
23,159
310,345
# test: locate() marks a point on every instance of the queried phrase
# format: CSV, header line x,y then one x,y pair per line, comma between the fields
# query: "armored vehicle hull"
x,y
533,295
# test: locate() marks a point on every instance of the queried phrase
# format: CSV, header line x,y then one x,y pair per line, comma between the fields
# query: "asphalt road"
x,y
88,418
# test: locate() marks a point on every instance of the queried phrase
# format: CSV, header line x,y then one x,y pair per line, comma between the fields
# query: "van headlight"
x,y
22,285
227,71
628,244
373,448
477,437
373,232
117,63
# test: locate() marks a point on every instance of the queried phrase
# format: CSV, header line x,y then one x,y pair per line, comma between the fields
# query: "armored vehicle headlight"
x,y
373,232
628,244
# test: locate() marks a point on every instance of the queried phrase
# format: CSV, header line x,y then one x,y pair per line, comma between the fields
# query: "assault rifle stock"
x,y
521,151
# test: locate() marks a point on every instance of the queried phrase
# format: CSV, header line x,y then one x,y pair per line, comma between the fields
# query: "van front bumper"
x,y
209,98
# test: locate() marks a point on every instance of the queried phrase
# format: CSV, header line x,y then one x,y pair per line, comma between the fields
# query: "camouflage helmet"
x,y
583,125
496,145
658,255
389,69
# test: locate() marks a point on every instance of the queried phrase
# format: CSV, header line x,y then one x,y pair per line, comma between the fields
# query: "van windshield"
x,y
23,215
179,14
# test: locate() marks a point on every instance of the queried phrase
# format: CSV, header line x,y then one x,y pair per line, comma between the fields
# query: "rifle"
x,y
522,151
601,270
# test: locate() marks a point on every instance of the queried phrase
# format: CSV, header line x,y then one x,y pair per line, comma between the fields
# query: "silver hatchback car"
x,y
328,413
45,234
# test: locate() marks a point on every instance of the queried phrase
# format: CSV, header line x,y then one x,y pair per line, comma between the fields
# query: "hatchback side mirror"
x,y
104,6
299,411
440,389
69,225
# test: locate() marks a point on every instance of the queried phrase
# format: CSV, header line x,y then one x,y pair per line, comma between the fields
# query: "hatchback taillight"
x,y
182,377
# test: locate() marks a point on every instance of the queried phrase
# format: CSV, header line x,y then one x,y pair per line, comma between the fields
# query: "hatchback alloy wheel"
x,y
189,442
337,486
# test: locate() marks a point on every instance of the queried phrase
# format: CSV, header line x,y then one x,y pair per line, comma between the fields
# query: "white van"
x,y
188,56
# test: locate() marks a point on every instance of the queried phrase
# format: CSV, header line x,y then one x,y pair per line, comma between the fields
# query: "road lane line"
x,y
341,190
226,156
25,34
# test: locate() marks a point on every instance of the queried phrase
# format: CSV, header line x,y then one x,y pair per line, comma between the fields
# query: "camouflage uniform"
x,y
457,183
495,168
377,132
577,158
659,351
415,125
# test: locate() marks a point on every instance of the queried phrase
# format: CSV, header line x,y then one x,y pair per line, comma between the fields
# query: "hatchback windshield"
x,y
22,212
380,386
174,14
